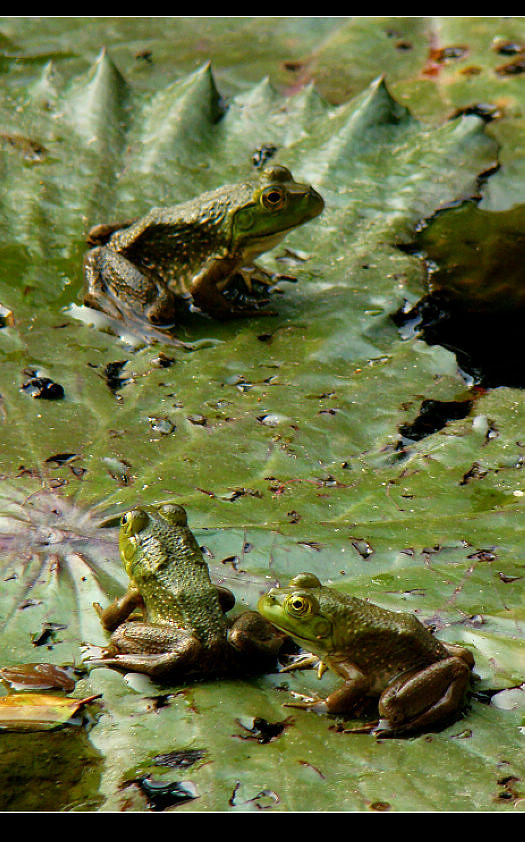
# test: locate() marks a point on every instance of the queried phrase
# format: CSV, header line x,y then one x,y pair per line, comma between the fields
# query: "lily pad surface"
x,y
322,439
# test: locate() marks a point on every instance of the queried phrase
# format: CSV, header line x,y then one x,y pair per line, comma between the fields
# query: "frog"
x,y
386,658
172,620
193,251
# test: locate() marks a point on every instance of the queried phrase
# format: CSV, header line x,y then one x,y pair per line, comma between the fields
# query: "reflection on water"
x,y
49,771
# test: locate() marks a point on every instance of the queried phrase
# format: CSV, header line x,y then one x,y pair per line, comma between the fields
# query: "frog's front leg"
x,y
156,651
99,234
346,699
206,292
120,609
423,699
117,287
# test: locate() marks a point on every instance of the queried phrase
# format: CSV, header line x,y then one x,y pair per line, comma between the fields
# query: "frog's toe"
x,y
91,655
307,703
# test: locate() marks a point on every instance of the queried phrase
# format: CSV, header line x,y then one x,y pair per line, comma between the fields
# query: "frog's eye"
x,y
298,604
133,521
274,197
174,514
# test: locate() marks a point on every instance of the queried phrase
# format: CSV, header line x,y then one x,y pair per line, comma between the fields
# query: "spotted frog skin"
x,y
195,249
184,630
420,682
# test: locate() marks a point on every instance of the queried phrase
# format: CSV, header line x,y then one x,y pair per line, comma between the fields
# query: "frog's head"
x,y
300,610
278,203
141,528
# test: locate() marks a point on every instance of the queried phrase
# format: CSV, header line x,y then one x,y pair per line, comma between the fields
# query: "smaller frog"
x,y
196,249
420,682
184,630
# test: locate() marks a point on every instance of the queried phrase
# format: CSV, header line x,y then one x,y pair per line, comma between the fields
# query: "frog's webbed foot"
x,y
306,660
254,275
304,702
208,290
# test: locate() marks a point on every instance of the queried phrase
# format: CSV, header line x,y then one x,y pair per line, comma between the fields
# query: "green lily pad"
x,y
284,437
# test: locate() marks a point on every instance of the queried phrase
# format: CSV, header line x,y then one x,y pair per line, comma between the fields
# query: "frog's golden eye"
x,y
174,514
274,197
133,521
298,605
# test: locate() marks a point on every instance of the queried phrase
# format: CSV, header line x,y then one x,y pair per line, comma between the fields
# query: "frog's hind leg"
x,y
116,287
153,650
425,699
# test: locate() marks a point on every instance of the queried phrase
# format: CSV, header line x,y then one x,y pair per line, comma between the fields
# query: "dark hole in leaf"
x,y
161,795
475,306
263,153
380,806
42,388
475,472
112,375
46,633
162,361
160,701
508,48
483,555
447,53
198,420
32,150
364,549
433,416
60,458
145,55
486,111
512,68
263,731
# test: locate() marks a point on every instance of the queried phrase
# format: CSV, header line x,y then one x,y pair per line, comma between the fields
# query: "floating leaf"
x,y
38,711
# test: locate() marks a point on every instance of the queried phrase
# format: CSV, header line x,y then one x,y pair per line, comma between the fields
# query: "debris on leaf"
x,y
180,759
39,676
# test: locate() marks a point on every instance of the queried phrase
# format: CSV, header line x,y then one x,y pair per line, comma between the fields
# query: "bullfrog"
x,y
419,681
183,629
194,249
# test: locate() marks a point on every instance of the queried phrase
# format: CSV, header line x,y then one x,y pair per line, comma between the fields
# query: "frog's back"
x,y
175,582
170,248
378,640
173,242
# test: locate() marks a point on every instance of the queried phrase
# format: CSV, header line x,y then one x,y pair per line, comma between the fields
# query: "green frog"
x,y
183,629
387,655
195,249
